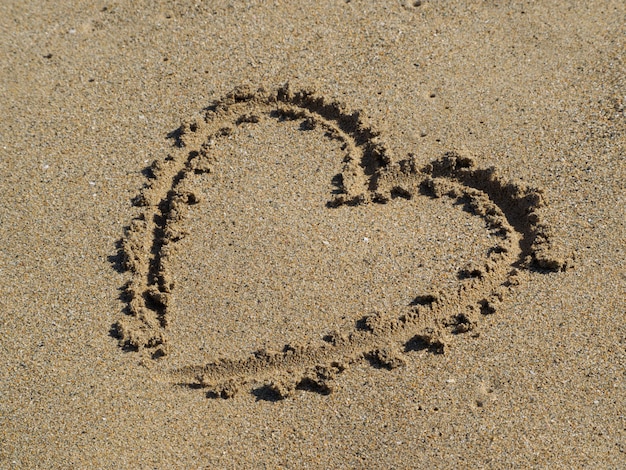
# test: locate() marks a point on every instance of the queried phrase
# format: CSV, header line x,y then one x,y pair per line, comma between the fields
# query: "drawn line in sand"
x,y
513,214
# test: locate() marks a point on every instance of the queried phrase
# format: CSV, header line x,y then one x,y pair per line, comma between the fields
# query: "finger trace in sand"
x,y
513,214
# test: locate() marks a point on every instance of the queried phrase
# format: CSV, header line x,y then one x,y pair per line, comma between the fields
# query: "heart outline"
x,y
513,213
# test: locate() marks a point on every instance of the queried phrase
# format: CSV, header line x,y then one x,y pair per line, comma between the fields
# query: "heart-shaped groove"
x,y
513,215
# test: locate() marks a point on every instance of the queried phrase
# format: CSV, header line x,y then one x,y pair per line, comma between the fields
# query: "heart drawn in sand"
x,y
369,186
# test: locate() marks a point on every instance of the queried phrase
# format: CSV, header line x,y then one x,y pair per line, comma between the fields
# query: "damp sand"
x,y
390,237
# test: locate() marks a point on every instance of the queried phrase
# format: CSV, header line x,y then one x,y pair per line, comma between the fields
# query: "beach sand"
x,y
313,235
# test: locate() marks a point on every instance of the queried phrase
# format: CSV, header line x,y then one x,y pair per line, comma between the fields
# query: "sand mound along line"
x,y
513,214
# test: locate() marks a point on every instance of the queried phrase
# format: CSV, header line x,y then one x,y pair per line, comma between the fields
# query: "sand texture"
x,y
341,234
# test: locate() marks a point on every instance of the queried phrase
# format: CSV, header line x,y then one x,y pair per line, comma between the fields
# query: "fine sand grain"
x,y
333,235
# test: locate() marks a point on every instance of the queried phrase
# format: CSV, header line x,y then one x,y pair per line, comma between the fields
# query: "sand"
x,y
332,235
